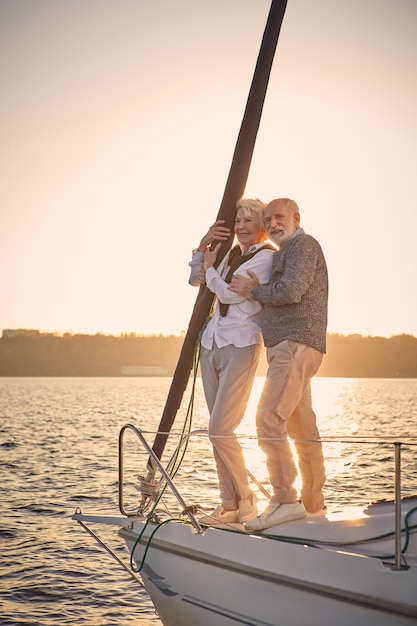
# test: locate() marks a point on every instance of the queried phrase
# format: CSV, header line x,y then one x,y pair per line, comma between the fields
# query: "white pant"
x,y
228,375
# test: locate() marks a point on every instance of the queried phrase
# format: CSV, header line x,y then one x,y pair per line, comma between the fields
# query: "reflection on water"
x,y
58,440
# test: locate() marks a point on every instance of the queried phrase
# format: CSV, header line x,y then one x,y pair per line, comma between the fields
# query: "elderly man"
x,y
294,323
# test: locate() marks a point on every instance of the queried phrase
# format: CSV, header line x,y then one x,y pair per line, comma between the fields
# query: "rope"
x,y
148,543
316,543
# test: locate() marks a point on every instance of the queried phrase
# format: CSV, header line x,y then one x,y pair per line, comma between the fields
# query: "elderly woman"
x,y
230,349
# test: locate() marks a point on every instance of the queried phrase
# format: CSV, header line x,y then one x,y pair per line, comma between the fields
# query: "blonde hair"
x,y
253,206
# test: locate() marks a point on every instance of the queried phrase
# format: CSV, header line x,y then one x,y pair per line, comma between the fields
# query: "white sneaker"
x,y
248,509
276,513
320,513
220,516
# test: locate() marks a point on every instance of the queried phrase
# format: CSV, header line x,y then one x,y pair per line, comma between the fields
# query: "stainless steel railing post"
x,y
397,460
158,464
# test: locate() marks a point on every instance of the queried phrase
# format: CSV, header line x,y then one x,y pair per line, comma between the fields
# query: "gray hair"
x,y
291,205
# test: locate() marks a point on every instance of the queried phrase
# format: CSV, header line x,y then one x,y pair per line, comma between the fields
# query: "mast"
x,y
235,187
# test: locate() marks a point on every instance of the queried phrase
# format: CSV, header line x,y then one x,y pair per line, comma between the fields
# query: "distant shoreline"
x,y
28,353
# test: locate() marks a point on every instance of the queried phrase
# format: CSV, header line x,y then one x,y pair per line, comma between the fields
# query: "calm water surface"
x,y
59,451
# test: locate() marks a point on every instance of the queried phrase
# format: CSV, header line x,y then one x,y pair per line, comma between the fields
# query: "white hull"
x,y
223,578
356,568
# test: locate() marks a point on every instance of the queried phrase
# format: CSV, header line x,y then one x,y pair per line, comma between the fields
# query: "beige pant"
x,y
285,408
228,375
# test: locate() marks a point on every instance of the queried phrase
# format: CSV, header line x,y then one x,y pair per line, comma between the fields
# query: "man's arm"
x,y
291,280
293,275
244,286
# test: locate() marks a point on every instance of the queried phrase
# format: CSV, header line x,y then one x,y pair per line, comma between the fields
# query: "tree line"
x,y
31,353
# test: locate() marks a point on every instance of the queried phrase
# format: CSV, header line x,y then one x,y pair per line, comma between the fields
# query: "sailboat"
x,y
353,566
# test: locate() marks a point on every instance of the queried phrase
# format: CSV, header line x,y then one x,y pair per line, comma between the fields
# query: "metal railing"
x,y
157,463
398,565
397,500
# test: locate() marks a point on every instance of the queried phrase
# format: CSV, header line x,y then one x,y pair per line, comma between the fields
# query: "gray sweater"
x,y
295,298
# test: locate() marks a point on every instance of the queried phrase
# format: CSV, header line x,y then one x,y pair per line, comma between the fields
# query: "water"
x,y
58,442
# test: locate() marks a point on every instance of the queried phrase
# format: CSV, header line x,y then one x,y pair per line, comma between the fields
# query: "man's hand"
x,y
244,286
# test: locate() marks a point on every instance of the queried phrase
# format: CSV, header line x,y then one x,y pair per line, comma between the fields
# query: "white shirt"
x,y
241,326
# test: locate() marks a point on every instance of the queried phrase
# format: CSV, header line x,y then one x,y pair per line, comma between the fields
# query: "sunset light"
x,y
119,122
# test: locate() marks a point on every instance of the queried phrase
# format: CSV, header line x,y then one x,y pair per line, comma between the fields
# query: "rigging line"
x,y
372,439
176,459
189,416
110,551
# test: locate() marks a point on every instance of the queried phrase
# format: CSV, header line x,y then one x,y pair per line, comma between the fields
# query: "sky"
x,y
119,120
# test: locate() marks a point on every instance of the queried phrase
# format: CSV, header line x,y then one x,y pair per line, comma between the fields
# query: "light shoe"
x,y
220,516
276,513
320,513
248,509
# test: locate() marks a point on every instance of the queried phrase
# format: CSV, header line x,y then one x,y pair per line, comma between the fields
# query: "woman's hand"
x,y
217,232
210,256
